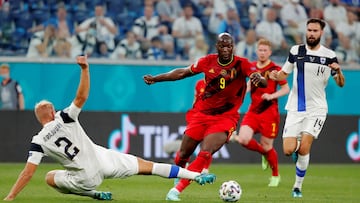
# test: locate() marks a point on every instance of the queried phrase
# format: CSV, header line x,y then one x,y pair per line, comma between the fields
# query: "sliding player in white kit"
x,y
86,164
307,106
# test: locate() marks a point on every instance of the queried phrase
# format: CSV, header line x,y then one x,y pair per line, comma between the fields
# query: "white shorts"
x,y
310,122
118,165
76,181
113,164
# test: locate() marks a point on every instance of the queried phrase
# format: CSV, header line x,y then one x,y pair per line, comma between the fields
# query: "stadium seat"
x,y
20,36
23,20
134,8
15,7
121,34
115,7
7,52
90,4
52,6
33,4
40,15
20,39
124,20
79,16
6,29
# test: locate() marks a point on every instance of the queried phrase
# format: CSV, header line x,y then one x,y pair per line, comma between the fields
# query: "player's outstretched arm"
x,y
176,74
339,76
84,85
278,75
23,179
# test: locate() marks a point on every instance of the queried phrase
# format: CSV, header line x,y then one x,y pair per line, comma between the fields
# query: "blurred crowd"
x,y
171,29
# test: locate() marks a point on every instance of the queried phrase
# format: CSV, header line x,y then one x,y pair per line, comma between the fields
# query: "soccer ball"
x,y
230,191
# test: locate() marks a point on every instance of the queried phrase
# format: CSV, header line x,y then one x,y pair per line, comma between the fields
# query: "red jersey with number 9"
x,y
225,84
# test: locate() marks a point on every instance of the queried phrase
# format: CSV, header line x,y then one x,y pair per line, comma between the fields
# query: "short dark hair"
x,y
317,20
187,4
156,39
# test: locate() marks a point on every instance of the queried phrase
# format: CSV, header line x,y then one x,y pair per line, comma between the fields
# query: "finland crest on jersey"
x,y
311,75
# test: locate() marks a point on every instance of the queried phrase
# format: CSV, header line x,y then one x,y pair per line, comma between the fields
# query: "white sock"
x,y
175,190
205,170
301,167
172,171
90,193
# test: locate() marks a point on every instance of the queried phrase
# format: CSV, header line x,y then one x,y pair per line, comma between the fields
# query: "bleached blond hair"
x,y
41,107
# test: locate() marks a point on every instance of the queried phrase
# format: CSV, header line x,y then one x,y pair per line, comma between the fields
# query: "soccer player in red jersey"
x,y
263,115
213,117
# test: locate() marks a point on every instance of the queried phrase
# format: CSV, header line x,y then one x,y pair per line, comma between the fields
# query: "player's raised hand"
x,y
82,61
149,79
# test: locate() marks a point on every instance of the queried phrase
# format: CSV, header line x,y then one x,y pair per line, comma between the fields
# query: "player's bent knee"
x,y
267,147
243,140
288,151
50,178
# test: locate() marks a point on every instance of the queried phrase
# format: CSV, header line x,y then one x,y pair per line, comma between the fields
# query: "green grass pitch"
x,y
323,183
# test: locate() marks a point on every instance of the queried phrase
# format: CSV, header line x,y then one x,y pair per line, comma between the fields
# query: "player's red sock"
x,y
207,165
254,146
203,159
180,162
272,159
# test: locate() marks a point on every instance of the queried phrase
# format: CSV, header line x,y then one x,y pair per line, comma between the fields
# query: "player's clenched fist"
x,y
335,66
257,79
82,61
148,79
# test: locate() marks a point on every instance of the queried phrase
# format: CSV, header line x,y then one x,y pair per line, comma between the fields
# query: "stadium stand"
x,y
18,17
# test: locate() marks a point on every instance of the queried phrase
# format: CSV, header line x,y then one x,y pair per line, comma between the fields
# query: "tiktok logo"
x,y
119,139
353,145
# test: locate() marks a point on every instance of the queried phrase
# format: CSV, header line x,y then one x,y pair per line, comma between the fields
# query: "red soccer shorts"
x,y
265,124
200,125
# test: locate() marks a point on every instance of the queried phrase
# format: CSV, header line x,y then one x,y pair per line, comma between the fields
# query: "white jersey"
x,y
311,75
64,140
